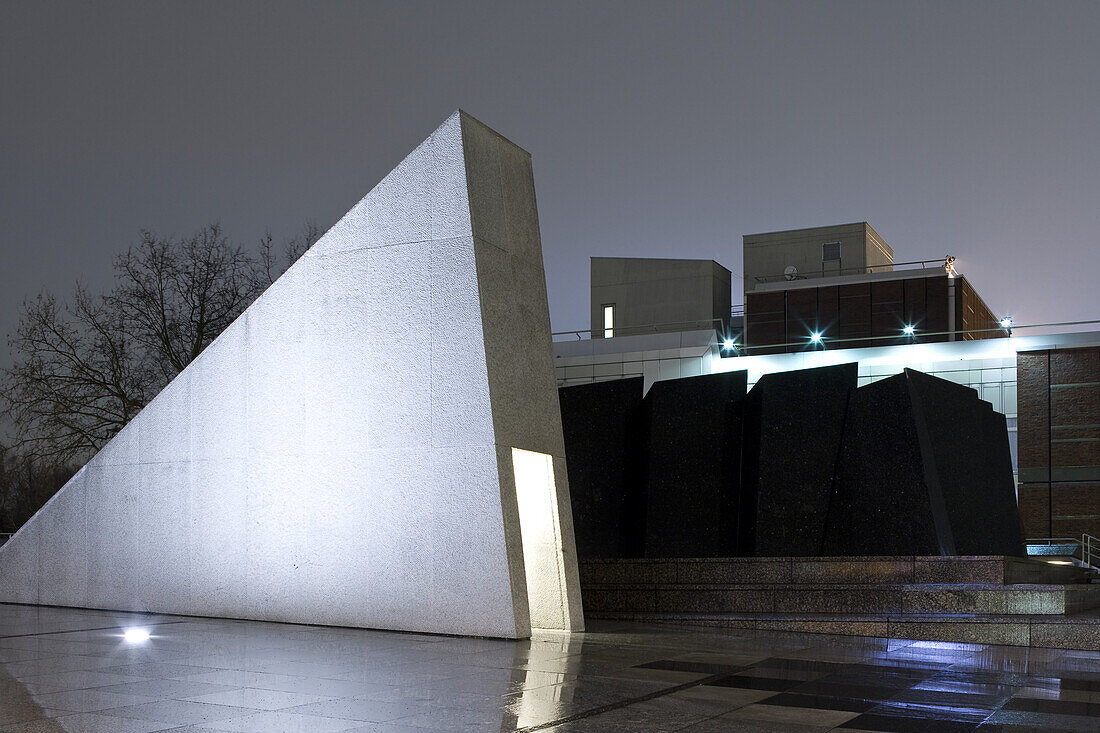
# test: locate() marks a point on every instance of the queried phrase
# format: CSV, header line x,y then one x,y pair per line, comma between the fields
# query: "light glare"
x,y
727,344
908,330
815,337
136,636
1006,322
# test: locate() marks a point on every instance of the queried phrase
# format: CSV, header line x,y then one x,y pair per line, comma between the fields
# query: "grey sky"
x,y
657,129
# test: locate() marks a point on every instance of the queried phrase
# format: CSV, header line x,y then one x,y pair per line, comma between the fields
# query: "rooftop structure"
x,y
839,286
633,295
799,254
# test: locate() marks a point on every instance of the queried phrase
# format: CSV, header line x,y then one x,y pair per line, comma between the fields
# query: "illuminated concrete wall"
x,y
342,453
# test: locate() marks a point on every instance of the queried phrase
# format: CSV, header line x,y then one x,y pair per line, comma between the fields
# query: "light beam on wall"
x,y
540,531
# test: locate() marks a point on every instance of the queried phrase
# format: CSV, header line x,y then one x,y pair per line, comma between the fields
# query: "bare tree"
x,y
77,378
82,370
26,483
175,297
293,248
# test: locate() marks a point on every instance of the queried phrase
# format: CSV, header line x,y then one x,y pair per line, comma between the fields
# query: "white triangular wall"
x,y
341,454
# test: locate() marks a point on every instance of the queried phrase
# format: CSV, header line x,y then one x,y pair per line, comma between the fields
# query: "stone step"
x,y
1058,632
882,598
758,570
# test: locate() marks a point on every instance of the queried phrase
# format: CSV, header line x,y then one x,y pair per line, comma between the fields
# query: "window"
x,y
609,321
830,252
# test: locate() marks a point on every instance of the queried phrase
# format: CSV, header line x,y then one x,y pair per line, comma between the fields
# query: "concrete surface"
x,y
341,454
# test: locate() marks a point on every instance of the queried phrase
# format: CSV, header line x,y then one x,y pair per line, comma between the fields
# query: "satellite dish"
x,y
790,272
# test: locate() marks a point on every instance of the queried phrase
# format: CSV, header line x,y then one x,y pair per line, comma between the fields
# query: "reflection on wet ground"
x,y
73,670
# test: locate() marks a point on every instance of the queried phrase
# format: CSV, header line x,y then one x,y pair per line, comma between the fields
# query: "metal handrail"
x,y
1087,546
1090,551
902,339
645,328
866,269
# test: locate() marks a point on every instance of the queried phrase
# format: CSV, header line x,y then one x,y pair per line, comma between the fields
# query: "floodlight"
x,y
815,337
728,344
136,636
909,330
1006,322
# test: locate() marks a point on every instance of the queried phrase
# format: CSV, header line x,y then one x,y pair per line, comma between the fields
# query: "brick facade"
x,y
1059,441
876,311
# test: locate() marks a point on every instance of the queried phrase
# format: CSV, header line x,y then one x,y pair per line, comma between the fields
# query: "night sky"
x,y
657,129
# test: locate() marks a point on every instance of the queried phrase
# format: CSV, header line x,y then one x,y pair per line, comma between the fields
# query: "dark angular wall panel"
x,y
602,425
924,469
973,468
692,465
794,425
880,505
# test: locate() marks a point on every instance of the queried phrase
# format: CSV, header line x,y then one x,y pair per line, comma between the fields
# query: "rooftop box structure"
x,y
632,296
798,254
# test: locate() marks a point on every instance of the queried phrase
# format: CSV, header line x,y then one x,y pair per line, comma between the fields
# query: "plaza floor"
x,y
73,670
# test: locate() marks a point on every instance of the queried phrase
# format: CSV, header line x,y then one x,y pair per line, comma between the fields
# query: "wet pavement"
x,y
74,670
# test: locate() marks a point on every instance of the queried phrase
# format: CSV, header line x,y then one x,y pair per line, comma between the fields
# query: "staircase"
x,y
989,600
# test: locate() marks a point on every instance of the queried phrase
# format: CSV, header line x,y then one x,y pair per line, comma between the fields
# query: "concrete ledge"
x,y
1056,632
901,599
753,570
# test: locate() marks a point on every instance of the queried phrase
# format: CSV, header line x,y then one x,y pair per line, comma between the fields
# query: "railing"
x,y
1086,548
642,329
900,338
1090,551
864,270
825,341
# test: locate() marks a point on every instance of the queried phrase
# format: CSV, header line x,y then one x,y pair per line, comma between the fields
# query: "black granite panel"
x,y
924,470
602,426
970,456
794,424
692,465
880,503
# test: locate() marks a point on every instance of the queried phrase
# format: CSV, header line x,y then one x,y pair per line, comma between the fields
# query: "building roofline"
x,y
663,259
808,229
854,279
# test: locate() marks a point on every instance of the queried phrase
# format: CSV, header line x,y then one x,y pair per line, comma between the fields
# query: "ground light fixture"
x,y
815,337
135,636
909,330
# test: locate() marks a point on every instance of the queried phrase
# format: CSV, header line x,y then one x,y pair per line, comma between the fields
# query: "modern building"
x,y
839,285
1045,381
